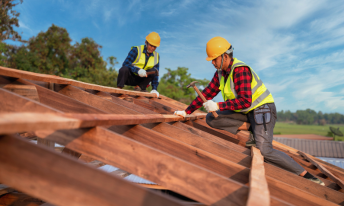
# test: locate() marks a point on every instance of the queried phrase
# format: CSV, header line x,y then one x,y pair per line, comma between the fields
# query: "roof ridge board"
x,y
60,80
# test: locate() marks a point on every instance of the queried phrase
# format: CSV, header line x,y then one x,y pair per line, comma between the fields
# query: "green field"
x,y
292,128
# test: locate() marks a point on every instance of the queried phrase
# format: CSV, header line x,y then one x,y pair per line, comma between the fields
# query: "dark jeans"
x,y
231,121
126,77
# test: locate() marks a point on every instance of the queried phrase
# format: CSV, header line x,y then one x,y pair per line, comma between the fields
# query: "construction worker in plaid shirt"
x,y
246,99
140,60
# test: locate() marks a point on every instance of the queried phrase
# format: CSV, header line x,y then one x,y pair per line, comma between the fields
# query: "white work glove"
x,y
180,113
142,73
211,106
155,92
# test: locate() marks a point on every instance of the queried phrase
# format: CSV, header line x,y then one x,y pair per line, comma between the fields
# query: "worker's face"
x,y
217,62
150,48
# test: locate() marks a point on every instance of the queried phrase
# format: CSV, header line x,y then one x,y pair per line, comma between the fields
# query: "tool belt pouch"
x,y
262,114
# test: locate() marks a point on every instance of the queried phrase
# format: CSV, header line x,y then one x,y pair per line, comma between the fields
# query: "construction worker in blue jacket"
x,y
141,60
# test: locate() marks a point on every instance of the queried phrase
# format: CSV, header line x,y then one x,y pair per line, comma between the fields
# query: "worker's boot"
x,y
251,142
310,177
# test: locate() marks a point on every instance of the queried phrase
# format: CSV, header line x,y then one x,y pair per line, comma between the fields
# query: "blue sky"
x,y
296,47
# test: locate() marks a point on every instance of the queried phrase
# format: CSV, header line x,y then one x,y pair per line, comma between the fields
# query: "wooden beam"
x,y
337,180
121,173
212,138
61,102
5,189
150,106
152,164
12,102
30,168
184,151
59,80
28,91
259,192
237,139
95,101
26,122
237,154
127,104
200,142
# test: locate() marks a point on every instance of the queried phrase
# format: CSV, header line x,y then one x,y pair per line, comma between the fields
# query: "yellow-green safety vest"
x,y
141,59
260,94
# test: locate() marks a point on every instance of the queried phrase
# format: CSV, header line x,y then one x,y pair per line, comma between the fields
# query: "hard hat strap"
x,y
221,61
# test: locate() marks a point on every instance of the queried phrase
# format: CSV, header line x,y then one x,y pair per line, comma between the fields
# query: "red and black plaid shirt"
x,y
242,80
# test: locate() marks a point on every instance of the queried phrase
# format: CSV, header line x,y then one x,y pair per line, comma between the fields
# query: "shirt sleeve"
x,y
242,80
155,81
130,59
209,93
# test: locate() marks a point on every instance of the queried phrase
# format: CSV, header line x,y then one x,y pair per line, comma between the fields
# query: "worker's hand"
x,y
155,92
211,106
142,73
180,113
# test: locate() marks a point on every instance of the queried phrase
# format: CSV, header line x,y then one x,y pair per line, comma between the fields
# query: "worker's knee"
x,y
123,69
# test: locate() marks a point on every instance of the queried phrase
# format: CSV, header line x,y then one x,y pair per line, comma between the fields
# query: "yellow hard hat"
x,y
153,38
216,46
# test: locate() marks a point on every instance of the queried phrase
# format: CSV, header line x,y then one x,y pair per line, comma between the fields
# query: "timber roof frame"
x,y
114,126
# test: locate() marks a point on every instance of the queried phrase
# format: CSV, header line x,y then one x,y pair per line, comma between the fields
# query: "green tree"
x,y
8,20
173,84
51,52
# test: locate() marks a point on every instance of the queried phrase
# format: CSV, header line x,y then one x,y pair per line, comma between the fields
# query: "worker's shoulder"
x,y
242,69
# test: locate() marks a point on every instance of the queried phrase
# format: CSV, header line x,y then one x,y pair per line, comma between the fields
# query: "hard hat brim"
x,y
209,58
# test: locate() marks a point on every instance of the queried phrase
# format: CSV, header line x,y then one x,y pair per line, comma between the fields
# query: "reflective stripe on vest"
x,y
140,60
260,94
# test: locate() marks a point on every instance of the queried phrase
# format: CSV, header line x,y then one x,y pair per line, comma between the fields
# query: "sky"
x,y
295,46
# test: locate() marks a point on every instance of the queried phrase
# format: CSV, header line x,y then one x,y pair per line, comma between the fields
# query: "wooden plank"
x,y
237,139
95,101
61,102
120,173
5,189
235,156
259,192
337,180
184,151
162,107
59,80
130,105
46,143
12,102
146,105
28,91
151,164
96,163
200,142
212,138
272,171
211,162
19,199
71,153
26,122
30,168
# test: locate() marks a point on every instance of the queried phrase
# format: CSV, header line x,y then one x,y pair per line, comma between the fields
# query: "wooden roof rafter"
x,y
185,154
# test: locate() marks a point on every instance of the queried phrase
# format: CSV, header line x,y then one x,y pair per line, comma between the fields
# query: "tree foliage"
x,y
173,84
8,20
309,116
51,52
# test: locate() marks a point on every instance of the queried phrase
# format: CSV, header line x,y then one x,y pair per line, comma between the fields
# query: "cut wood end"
x,y
26,122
